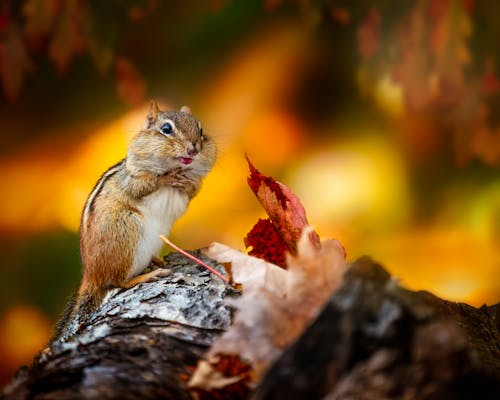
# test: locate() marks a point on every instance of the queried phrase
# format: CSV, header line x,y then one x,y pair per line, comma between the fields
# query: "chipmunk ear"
x,y
186,109
152,114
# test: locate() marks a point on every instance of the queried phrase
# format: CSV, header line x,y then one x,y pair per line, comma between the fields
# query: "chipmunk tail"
x,y
78,311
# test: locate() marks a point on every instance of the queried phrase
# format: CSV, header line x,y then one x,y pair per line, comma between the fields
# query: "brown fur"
x,y
112,223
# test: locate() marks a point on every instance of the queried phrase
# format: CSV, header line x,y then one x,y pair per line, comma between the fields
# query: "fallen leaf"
x,y
314,274
253,273
276,304
208,377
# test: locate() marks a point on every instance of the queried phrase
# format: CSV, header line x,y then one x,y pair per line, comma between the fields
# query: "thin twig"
x,y
195,259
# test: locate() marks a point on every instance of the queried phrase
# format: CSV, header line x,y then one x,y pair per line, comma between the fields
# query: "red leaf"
x,y
490,81
139,12
4,21
285,210
15,62
340,15
130,86
68,38
266,243
39,16
226,376
368,35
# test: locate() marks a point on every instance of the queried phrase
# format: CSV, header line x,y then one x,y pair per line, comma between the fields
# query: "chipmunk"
x,y
134,202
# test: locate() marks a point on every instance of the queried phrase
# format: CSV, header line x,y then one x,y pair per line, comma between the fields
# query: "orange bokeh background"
x,y
353,172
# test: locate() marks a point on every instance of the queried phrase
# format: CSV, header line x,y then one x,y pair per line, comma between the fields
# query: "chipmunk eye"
x,y
167,129
201,135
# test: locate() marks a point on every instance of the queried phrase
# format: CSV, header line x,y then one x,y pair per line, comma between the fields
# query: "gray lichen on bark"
x,y
189,296
147,338
373,339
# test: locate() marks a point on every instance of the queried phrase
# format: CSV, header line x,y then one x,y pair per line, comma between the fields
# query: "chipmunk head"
x,y
170,140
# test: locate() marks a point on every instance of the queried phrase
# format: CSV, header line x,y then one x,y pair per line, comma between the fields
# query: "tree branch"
x,y
373,340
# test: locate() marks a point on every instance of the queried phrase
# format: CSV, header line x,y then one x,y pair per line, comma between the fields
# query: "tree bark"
x,y
373,340
143,343
376,340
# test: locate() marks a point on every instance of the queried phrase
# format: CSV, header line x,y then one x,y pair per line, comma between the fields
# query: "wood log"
x,y
377,340
373,340
143,343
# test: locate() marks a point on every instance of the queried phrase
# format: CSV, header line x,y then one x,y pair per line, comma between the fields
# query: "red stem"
x,y
196,260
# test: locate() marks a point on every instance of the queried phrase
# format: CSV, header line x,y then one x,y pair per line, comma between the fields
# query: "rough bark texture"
x,y
142,344
376,340
373,340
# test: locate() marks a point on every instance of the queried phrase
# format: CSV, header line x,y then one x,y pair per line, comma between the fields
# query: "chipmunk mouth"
x,y
185,160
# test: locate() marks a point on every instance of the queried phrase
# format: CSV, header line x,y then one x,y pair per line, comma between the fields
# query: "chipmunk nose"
x,y
192,150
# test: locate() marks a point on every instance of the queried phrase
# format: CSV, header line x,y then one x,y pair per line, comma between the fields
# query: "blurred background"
x,y
383,117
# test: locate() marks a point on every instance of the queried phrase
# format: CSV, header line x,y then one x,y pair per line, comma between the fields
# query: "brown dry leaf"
x,y
276,304
208,378
224,376
253,273
314,274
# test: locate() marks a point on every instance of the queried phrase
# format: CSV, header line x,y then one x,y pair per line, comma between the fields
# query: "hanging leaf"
x,y
341,15
138,12
449,32
40,16
129,84
15,62
68,40
368,35
101,51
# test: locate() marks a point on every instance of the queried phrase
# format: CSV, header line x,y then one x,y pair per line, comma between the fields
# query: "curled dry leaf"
x,y
314,274
225,376
251,272
208,376
276,305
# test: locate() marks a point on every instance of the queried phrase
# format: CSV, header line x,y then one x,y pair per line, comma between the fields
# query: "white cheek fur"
x,y
159,211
